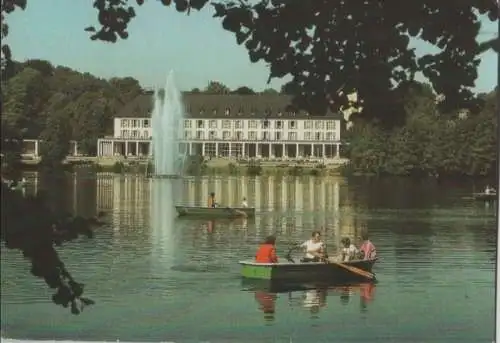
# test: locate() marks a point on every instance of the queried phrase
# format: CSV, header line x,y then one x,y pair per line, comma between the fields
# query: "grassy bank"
x,y
196,166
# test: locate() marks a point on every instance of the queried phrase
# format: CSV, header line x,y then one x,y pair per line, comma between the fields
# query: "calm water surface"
x,y
155,277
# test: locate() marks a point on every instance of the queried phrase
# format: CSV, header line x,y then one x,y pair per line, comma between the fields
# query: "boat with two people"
x,y
215,210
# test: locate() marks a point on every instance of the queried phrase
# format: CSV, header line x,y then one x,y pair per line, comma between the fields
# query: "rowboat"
x,y
305,272
217,212
485,196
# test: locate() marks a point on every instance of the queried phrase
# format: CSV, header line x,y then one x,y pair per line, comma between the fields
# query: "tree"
x,y
326,46
55,139
24,97
195,90
244,90
270,91
215,87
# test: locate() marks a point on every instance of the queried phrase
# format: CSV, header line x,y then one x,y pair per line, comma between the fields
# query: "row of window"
x,y
135,134
238,124
254,135
238,135
135,123
264,124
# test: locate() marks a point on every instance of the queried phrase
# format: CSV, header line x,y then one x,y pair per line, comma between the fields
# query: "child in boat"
x,y
367,249
349,251
267,251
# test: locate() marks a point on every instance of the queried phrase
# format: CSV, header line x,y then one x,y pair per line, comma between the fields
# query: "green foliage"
x,y
232,169
429,143
215,87
378,53
36,235
55,139
244,90
118,168
254,168
195,165
36,95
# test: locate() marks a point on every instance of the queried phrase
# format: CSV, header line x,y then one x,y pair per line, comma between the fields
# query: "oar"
x,y
355,270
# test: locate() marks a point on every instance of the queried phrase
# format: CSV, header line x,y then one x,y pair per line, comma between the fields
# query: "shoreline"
x,y
215,166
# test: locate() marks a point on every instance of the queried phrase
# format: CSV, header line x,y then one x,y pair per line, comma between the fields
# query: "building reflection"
x,y
290,206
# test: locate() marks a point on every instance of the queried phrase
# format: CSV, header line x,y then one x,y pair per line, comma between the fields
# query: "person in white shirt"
x,y
244,203
489,190
349,251
314,248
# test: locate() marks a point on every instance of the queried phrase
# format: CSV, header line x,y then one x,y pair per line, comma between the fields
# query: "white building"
x,y
236,126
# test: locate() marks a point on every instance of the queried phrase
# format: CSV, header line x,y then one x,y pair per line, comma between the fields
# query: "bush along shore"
x,y
197,165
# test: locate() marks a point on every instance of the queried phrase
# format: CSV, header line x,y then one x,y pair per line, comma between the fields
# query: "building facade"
x,y
233,126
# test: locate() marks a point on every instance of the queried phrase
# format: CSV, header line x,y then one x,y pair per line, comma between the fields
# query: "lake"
x,y
156,277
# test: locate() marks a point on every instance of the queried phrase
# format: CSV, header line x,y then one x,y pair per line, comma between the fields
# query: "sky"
x,y
196,47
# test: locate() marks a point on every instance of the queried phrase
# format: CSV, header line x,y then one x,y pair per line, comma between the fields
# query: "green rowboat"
x,y
217,212
304,272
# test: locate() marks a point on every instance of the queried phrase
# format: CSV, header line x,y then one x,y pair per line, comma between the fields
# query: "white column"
x,y
216,149
137,148
243,153
283,151
323,155
312,150
75,149
297,154
337,150
36,148
126,148
203,150
229,153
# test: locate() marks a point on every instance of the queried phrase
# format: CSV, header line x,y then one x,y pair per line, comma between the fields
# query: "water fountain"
x,y
166,120
168,163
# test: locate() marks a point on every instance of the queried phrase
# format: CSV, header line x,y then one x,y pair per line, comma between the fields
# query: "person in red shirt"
x,y
267,251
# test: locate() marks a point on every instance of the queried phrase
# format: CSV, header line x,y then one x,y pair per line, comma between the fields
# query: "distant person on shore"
x,y
367,249
244,203
349,251
267,251
489,190
314,248
211,200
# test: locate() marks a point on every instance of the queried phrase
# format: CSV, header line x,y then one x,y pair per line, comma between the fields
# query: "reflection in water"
x,y
429,245
311,298
267,303
162,222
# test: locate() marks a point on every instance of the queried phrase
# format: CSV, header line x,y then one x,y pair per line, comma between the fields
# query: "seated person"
x,y
244,203
211,201
267,251
314,248
349,251
367,251
489,190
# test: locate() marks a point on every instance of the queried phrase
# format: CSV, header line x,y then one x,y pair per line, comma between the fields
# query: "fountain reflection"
x,y
162,213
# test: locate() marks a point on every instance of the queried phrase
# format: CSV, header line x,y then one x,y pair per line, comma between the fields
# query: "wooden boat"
x,y
304,272
485,196
217,212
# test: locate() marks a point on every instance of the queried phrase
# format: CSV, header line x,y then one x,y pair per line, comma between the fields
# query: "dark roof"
x,y
215,106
